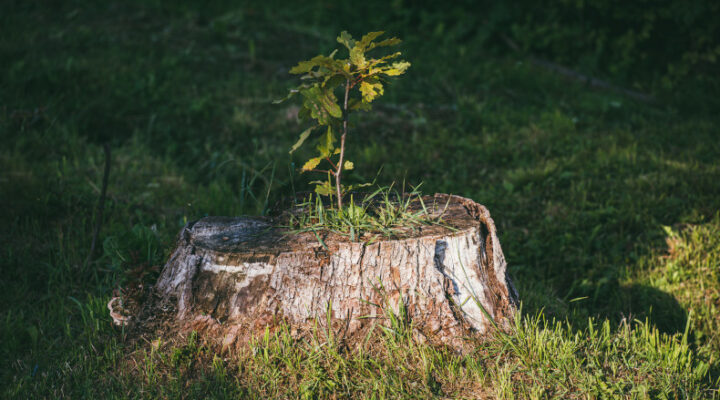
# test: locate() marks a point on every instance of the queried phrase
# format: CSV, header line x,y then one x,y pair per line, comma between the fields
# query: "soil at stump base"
x,y
231,277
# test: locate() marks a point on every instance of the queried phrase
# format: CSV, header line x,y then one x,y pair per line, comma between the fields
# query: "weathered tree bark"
x,y
232,277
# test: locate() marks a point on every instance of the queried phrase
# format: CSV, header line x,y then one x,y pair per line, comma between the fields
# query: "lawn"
x,y
608,208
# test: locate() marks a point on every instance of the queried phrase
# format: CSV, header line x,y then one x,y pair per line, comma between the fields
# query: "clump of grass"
x,y
541,358
382,213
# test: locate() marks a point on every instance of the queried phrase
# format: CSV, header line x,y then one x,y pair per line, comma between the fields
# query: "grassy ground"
x,y
607,209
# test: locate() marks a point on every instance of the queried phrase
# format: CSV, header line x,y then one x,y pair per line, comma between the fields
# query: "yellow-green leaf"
x,y
357,57
327,145
323,188
331,82
311,164
346,40
371,90
386,42
322,104
330,103
290,94
348,165
356,104
303,137
304,67
382,60
368,38
397,68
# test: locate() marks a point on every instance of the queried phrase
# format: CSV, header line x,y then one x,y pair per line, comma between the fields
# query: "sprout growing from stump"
x,y
322,77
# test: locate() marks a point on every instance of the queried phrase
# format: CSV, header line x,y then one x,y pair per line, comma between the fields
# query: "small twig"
x,y
331,163
99,210
572,74
356,81
322,171
338,172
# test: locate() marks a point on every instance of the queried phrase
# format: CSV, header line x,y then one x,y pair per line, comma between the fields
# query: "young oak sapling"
x,y
322,76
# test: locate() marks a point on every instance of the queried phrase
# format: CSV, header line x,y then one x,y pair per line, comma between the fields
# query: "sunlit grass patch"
x,y
690,270
539,359
386,212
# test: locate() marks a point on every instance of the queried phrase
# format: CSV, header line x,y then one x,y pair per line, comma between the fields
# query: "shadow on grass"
x,y
639,302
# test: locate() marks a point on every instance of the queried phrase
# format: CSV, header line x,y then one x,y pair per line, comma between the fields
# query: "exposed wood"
x,y
232,277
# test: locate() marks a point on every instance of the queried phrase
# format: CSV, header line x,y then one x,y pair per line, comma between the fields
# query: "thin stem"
x,y
331,163
358,80
338,171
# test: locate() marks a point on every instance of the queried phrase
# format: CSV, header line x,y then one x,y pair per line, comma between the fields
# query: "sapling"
x,y
361,80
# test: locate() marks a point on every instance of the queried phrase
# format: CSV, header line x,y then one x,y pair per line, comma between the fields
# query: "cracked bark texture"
x,y
232,277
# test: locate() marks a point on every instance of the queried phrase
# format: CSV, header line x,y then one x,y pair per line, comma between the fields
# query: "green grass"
x,y
607,209
383,212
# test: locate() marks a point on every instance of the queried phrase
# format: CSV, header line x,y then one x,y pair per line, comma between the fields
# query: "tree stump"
x,y
233,277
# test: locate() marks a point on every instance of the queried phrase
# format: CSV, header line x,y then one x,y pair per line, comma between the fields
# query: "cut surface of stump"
x,y
233,277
